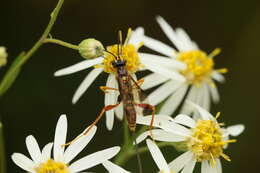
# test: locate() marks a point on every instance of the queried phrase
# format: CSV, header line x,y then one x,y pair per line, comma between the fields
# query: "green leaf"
x,y
2,151
11,75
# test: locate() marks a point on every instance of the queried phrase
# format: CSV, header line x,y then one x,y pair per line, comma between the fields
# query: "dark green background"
x,y
34,103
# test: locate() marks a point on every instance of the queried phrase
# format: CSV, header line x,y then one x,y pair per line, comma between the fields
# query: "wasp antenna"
x,y
120,43
111,54
138,154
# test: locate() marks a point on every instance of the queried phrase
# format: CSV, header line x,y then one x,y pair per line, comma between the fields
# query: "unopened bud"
x,y
3,56
91,48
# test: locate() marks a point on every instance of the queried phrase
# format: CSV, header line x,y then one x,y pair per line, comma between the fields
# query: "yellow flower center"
x,y
199,65
129,54
52,166
206,142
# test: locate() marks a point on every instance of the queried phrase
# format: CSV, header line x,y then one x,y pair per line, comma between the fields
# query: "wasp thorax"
x,y
91,48
3,56
127,55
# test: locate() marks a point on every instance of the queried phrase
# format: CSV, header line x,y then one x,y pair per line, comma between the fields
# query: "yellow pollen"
x,y
52,166
206,142
128,52
199,65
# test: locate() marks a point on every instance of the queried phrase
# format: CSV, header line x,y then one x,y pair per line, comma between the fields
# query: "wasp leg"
x,y
138,83
106,108
152,108
105,88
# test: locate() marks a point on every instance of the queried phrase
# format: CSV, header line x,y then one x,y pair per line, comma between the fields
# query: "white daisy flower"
x,y
3,56
199,74
42,162
204,138
134,61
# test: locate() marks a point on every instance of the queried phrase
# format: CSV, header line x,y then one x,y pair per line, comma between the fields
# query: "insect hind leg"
x,y
151,108
105,109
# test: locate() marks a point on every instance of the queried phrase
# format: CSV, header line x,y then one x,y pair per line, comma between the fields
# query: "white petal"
x,y
120,111
137,37
205,167
158,119
185,120
33,148
89,79
170,33
219,166
60,138
23,162
113,168
214,93
236,130
218,77
110,99
206,97
166,123
46,152
158,68
175,128
158,46
161,93
178,163
157,156
172,103
93,159
79,66
160,135
162,61
185,39
189,166
192,95
75,148
153,80
204,114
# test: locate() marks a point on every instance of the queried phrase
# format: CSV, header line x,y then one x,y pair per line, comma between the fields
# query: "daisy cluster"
x,y
183,77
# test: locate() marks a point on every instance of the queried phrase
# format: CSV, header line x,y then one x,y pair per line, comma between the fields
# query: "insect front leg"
x,y
105,89
138,83
106,108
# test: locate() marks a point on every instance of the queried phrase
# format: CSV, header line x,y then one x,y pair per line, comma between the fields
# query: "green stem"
x,y
22,60
2,151
62,43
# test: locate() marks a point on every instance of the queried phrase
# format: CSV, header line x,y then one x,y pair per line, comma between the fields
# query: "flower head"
x,y
127,53
199,72
205,138
3,56
43,162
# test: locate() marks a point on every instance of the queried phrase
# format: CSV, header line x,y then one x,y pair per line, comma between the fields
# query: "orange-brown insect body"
x,y
126,92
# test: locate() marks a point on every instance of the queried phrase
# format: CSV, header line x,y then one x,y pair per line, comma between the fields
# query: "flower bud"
x,y
3,56
91,48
